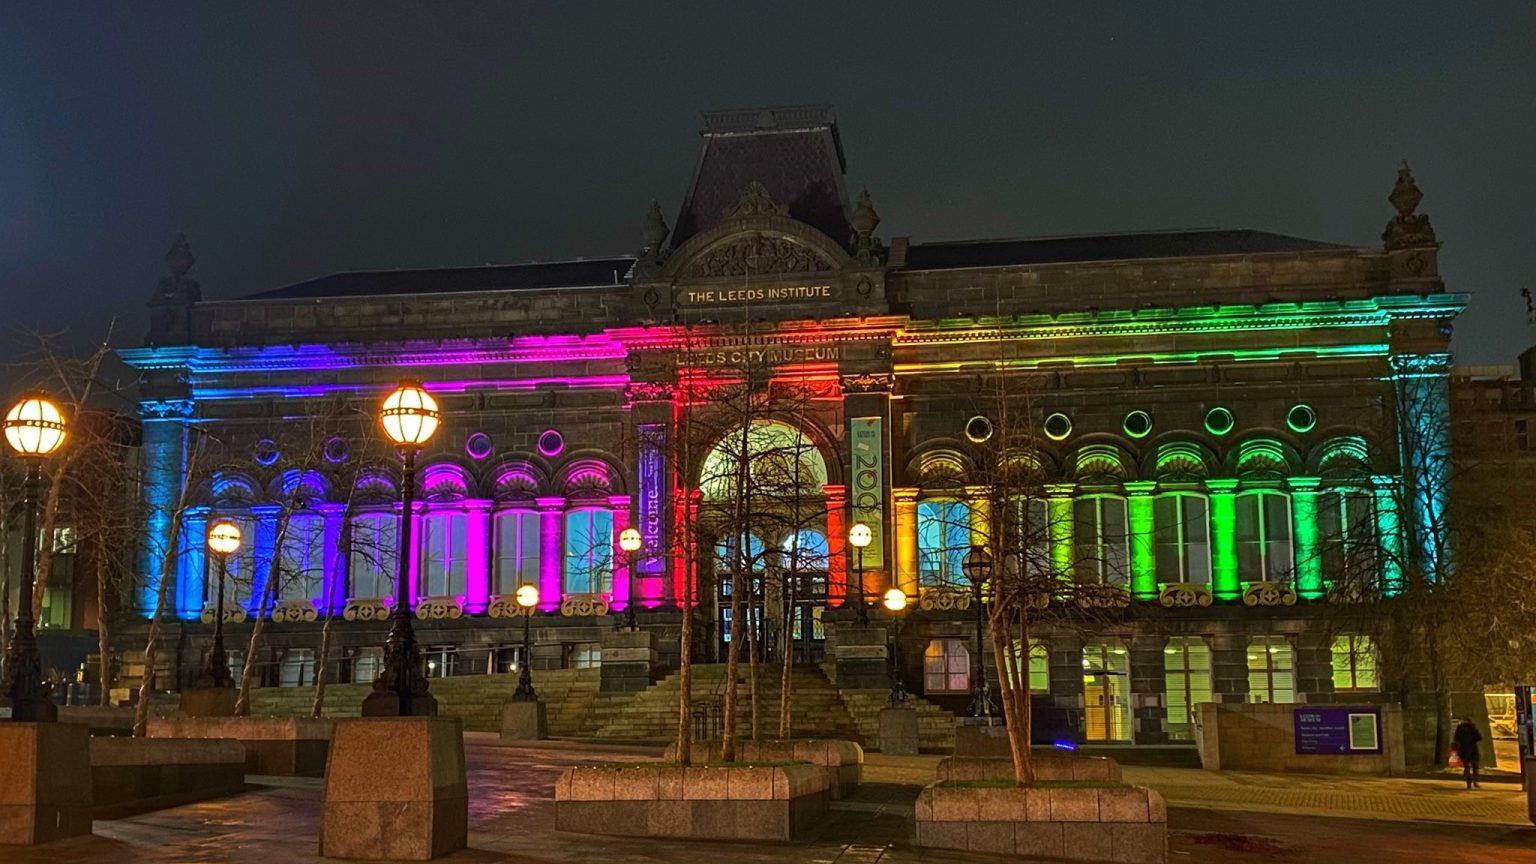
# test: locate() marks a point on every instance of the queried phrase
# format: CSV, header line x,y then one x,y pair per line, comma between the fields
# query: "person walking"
x,y
1467,738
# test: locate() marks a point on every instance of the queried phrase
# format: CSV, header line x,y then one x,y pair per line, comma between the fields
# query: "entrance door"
x,y
1106,690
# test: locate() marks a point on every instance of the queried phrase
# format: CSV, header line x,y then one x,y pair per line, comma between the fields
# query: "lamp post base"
x,y
388,703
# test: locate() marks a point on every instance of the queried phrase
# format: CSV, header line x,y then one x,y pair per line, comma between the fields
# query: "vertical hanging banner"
x,y
867,453
653,474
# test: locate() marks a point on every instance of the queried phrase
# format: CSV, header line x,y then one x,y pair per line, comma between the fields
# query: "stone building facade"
x,y
1212,413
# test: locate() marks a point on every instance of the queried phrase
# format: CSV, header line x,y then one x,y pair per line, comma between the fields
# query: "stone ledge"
x,y
290,746
136,775
1049,765
841,761
730,802
1112,824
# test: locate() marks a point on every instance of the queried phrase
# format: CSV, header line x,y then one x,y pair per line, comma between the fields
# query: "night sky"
x,y
291,140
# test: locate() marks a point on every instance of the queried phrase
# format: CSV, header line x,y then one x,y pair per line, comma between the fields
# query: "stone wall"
x,y
1242,737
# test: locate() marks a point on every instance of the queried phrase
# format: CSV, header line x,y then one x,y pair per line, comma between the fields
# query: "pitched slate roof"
x,y
1105,247
531,276
795,152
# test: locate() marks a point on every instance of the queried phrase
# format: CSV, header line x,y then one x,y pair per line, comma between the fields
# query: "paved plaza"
x,y
1213,817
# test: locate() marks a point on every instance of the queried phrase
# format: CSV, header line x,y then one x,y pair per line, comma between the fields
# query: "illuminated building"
x,y
1214,410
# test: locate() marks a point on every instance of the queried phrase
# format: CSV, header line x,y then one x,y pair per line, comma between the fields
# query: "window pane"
x,y
588,551
517,550
300,565
375,549
445,555
943,538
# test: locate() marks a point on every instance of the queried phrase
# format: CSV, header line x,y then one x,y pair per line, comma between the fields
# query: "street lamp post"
x,y
858,537
223,541
629,543
527,599
34,428
409,418
895,602
978,569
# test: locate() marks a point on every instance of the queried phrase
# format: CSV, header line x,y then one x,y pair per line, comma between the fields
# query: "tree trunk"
x,y
321,665
248,671
752,641
685,673
151,649
1015,696
45,538
103,642
788,643
732,666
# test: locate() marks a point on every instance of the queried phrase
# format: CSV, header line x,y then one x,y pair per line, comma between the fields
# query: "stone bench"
x,y
732,802
290,746
134,775
1115,824
1050,765
843,761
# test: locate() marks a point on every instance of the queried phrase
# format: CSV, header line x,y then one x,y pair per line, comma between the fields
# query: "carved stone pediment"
x,y
294,611
234,613
506,607
583,605
366,609
944,599
1185,595
757,254
438,608
1269,594
1102,597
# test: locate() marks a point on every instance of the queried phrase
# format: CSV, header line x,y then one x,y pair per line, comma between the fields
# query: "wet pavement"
x,y
512,820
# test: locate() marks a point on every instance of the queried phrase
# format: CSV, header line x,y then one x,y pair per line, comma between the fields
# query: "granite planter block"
x,y
842,761
732,802
289,746
1113,824
208,701
134,775
45,782
898,731
1050,765
524,721
395,788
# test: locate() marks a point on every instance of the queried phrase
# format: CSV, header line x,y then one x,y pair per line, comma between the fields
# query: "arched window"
x,y
1187,675
1264,537
1271,670
943,538
445,553
517,550
373,554
1181,535
589,551
1102,543
781,460
301,557
803,566
241,567
1348,534
946,667
753,560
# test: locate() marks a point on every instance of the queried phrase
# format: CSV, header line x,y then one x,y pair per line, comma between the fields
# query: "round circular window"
x,y
1138,424
266,452
478,445
1301,418
337,451
551,442
1219,421
1058,426
978,429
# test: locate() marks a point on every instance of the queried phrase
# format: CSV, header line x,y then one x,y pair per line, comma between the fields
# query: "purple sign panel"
x,y
1325,731
653,473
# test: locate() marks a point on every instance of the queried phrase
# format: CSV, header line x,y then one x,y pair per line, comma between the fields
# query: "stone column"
x,y
837,543
1309,562
551,552
1223,538
164,467
620,595
1139,510
1149,686
264,554
1314,667
192,565
1065,655
333,572
905,518
1059,514
477,564
1229,668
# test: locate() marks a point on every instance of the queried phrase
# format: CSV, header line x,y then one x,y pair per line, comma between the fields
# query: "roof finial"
x,y
1408,229
655,231
865,219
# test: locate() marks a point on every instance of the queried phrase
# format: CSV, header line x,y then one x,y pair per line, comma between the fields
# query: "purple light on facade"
x,y
652,476
478,445
266,452
551,442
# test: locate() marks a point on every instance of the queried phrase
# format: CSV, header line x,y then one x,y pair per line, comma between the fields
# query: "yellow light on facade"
x,y
409,415
527,596
859,535
34,426
224,537
629,540
895,600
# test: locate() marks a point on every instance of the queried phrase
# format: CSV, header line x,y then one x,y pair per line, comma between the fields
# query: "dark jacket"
x,y
1467,737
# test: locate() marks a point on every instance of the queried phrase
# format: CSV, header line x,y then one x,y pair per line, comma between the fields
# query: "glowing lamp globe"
x,y
629,540
224,537
409,416
527,596
34,426
895,600
859,535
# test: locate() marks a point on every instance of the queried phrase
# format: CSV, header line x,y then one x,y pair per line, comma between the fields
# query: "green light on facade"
x,y
1139,513
1309,565
1138,424
1301,418
1219,421
1223,500
1058,426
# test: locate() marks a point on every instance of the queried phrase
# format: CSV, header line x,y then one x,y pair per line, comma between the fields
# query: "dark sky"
x,y
292,140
